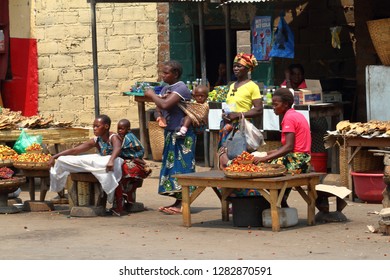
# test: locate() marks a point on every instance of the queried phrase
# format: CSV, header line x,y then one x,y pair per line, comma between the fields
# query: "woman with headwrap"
x,y
243,98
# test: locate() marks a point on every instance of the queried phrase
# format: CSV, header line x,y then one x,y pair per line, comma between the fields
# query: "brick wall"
x,y
127,52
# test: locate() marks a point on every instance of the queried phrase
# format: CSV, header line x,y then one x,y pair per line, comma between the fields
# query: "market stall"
x,y
353,141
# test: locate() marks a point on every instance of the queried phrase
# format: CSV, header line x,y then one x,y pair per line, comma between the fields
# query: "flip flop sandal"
x,y
172,211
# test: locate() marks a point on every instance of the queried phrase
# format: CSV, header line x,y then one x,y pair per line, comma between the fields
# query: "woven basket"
x,y
11,185
83,194
156,139
380,36
35,152
197,112
273,170
362,161
32,165
366,161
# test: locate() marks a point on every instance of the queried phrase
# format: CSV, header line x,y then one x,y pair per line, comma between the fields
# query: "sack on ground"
x,y
235,143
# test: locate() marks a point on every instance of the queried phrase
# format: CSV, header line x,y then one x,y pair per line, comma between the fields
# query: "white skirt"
x,y
93,163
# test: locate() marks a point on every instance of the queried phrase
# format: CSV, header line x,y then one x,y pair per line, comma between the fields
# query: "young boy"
x,y
197,113
131,146
134,168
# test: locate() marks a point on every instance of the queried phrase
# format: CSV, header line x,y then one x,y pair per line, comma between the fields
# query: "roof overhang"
x,y
143,1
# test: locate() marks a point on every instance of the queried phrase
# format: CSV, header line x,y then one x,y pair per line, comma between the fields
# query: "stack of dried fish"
x,y
9,119
371,128
14,119
37,121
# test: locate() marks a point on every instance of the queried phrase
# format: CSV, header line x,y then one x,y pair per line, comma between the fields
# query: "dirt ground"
x,y
151,235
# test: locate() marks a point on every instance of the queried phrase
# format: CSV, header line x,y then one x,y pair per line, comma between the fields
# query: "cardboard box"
x,y
333,96
311,95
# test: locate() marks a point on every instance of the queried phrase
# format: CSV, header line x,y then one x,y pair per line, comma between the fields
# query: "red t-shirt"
x,y
296,123
301,86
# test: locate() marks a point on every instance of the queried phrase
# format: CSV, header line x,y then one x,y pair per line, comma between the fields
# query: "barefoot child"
x,y
197,113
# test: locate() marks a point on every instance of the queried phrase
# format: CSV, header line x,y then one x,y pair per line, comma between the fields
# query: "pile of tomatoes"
x,y
7,153
234,167
33,158
34,147
243,163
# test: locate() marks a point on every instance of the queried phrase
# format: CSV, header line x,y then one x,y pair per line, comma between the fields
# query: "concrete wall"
x,y
127,52
20,12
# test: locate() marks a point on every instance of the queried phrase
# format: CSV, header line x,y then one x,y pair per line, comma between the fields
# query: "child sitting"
x,y
197,113
134,168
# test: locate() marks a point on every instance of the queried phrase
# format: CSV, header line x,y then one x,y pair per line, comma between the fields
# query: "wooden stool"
x,y
32,204
87,196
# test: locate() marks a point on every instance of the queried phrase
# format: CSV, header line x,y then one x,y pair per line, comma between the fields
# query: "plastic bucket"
x,y
247,211
319,161
288,217
369,185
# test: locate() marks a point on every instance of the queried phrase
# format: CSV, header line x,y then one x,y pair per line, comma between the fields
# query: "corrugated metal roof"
x,y
242,1
143,1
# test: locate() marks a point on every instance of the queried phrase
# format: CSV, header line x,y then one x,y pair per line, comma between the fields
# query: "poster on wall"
x,y
261,37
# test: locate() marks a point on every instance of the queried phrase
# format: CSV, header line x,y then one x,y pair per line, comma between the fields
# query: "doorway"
x,y
215,48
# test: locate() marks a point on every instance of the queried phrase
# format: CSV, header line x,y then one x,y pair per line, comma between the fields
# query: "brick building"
x,y
50,68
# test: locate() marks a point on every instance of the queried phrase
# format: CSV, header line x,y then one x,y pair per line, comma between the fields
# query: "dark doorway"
x,y
215,48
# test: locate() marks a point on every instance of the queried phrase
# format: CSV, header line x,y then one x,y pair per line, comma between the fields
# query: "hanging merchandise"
x,y
335,32
283,45
261,37
2,41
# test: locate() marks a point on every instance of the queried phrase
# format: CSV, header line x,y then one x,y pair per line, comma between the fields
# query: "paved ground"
x,y
152,235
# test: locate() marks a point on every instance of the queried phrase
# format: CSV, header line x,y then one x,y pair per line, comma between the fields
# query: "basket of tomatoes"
x,y
242,167
33,161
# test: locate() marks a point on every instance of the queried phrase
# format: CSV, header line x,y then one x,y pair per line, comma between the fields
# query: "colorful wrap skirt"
x,y
178,158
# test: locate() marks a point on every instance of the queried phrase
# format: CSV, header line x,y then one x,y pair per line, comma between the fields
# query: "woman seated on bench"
x,y
105,166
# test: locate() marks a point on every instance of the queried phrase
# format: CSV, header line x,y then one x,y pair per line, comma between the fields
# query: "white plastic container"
x,y
288,217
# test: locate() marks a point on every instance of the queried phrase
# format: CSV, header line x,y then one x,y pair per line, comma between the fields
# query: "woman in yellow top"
x,y
243,97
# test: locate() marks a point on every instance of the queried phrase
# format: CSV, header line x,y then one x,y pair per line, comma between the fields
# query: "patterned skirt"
x,y
178,158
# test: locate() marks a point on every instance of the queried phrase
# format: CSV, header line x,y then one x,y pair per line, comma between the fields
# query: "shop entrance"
x,y
215,48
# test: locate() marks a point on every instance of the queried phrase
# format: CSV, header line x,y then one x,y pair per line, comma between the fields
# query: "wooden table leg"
x,y
225,203
142,128
185,203
274,210
311,204
31,188
44,189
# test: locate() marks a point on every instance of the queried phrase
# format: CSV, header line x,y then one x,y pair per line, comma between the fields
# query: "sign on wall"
x,y
261,37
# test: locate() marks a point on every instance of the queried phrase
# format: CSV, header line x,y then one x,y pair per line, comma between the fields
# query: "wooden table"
x,y
271,188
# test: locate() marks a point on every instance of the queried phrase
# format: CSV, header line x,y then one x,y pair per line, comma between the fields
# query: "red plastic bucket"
x,y
369,185
319,161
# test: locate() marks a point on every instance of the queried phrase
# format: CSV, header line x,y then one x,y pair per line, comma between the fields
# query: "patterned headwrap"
x,y
248,60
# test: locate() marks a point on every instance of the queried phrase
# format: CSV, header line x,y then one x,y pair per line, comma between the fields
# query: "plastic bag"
x,y
235,143
24,140
283,45
254,137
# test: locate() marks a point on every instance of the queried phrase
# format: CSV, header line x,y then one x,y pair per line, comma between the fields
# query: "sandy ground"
x,y
151,235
